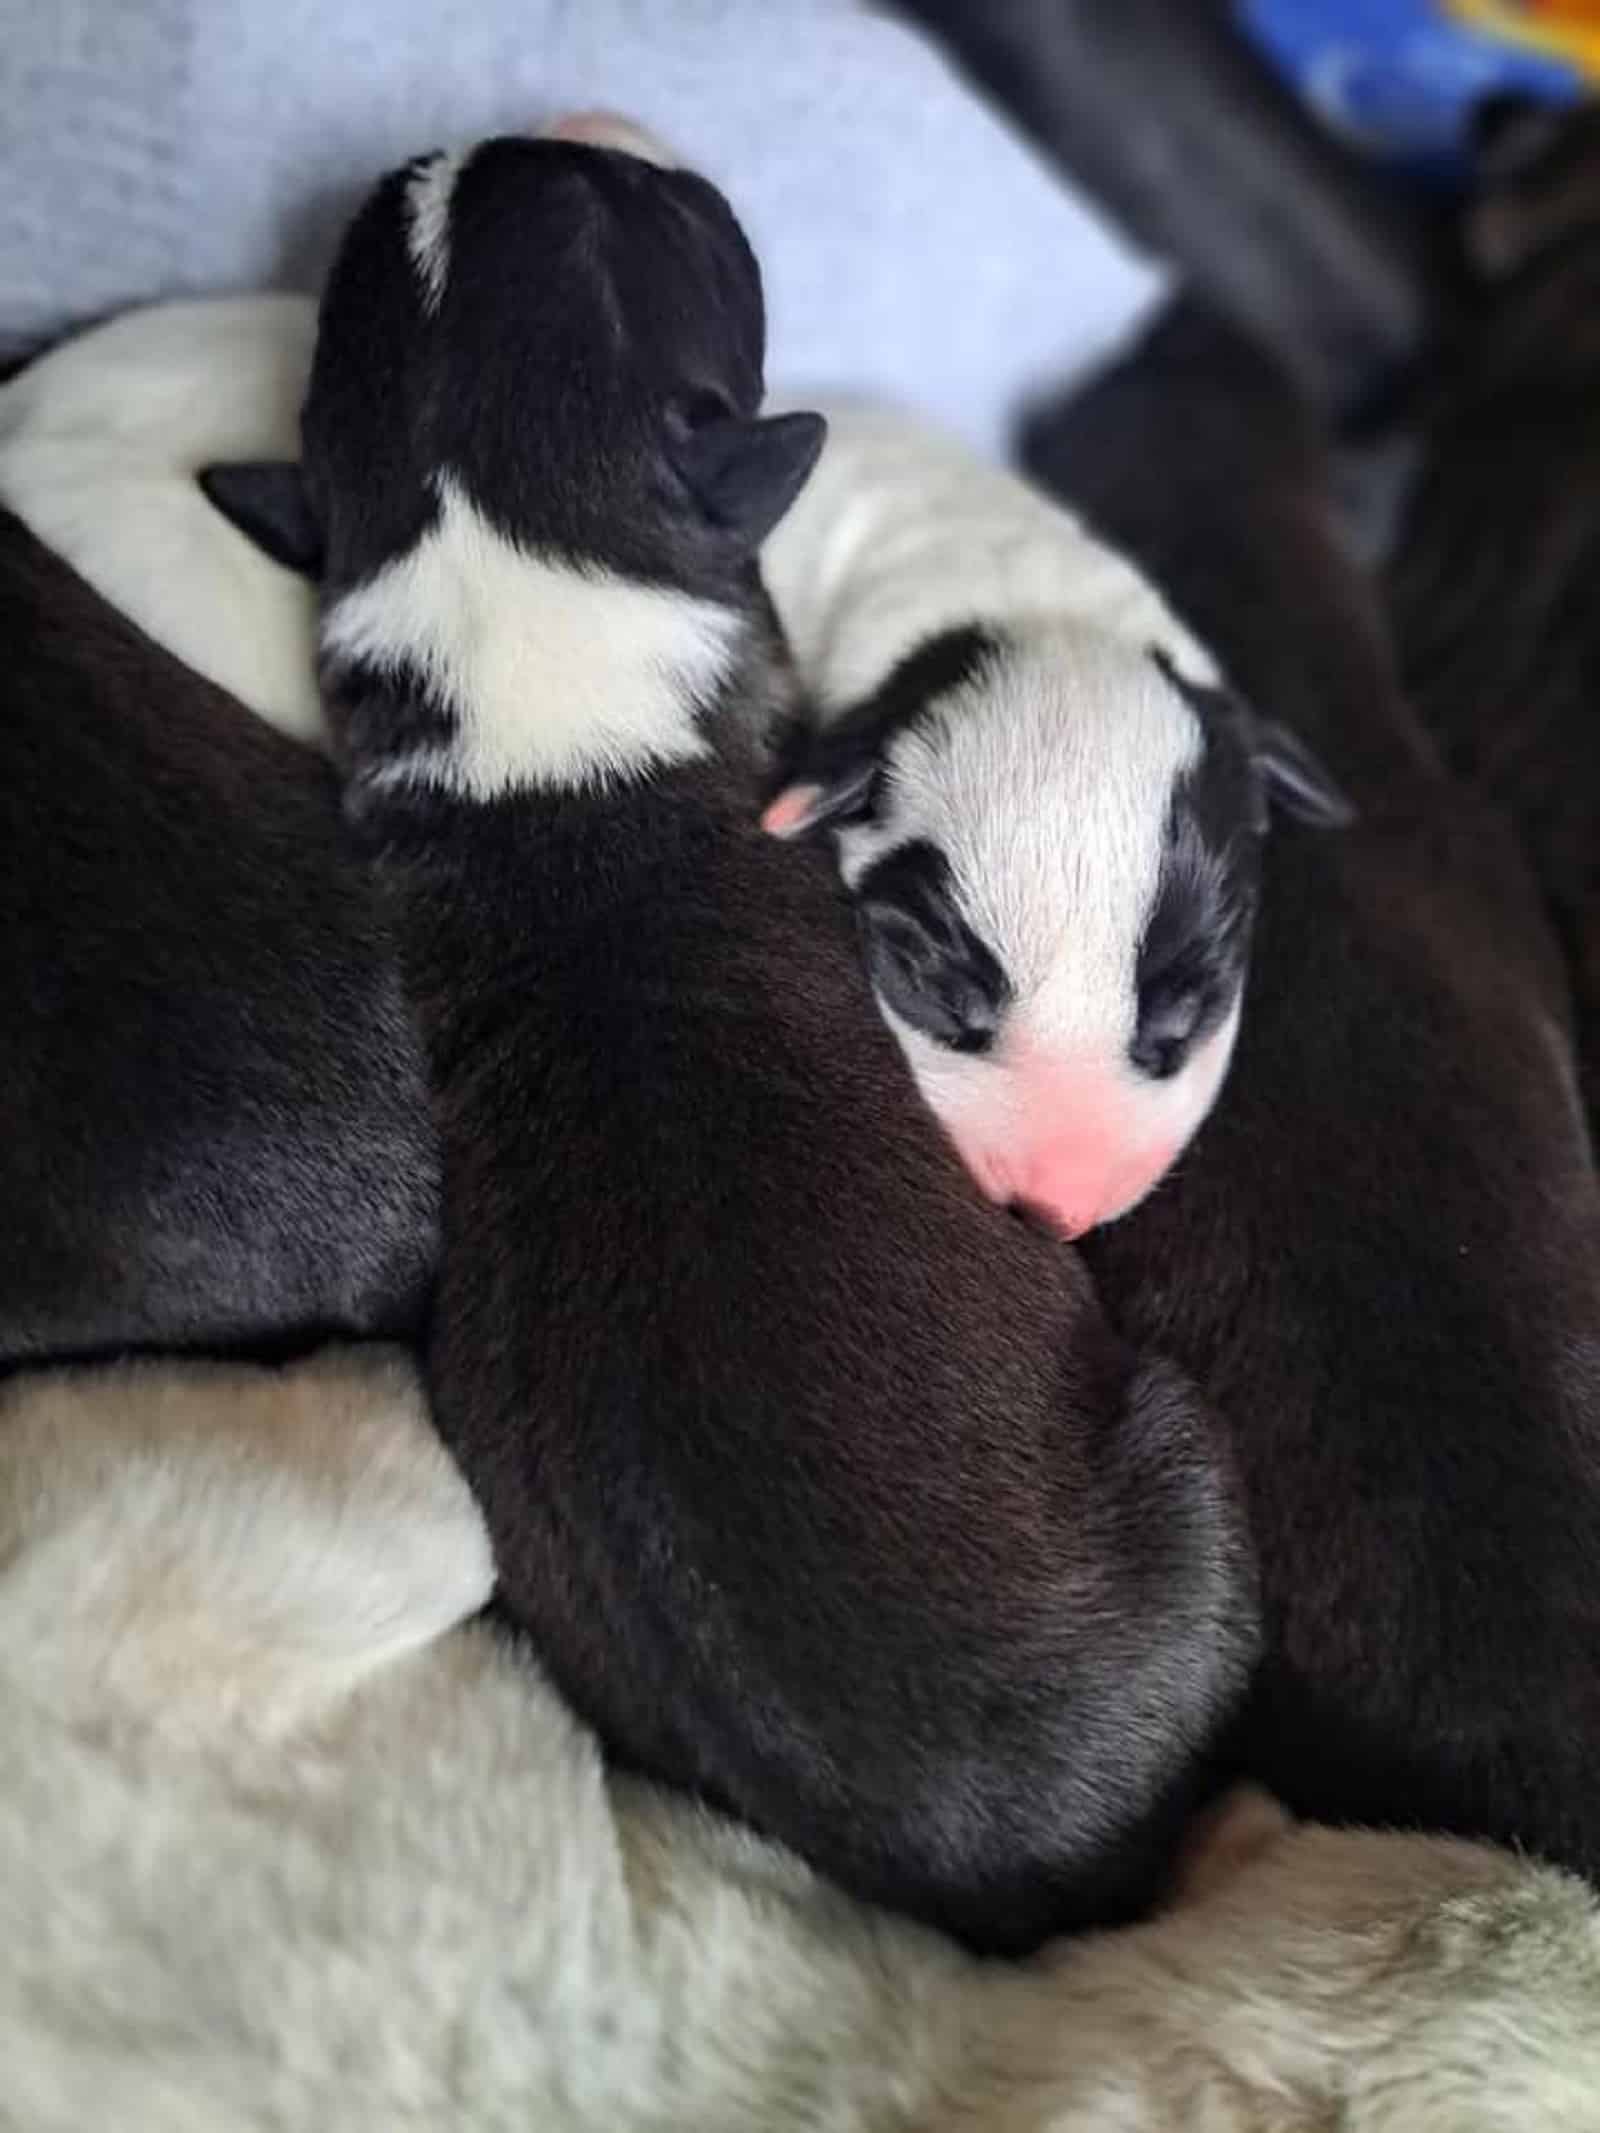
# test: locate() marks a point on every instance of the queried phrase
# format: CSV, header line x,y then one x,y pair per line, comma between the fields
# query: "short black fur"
x,y
213,1130
923,959
1381,1254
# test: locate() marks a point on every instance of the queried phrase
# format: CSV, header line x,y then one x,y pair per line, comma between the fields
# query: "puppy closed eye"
x,y
1169,1021
928,982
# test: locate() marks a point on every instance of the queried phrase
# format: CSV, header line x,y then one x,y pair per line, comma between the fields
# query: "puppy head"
x,y
1055,861
566,333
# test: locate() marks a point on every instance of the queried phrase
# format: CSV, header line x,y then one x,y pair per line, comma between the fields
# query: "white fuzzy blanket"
x,y
286,1842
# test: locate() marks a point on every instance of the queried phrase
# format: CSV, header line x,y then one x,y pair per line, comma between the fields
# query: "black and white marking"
x,y
1009,702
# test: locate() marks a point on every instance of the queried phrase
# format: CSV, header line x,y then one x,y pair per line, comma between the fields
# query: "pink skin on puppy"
x,y
1072,1144
608,129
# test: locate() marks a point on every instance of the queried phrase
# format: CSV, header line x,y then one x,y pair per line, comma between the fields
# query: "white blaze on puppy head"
x,y
1045,805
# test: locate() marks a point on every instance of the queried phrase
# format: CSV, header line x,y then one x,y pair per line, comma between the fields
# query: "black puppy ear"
x,y
746,474
923,961
1294,781
266,499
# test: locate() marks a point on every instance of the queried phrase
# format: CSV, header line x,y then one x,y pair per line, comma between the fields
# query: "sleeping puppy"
x,y
1046,807
824,1489
1381,1254
1493,588
288,1840
213,1120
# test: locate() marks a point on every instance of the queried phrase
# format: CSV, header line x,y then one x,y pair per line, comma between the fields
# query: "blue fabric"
x,y
912,246
1401,77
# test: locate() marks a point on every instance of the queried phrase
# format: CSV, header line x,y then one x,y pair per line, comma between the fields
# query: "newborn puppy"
x,y
1047,810
1381,1255
824,1489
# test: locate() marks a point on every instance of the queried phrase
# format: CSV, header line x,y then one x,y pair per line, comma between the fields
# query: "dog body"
x,y
215,1128
824,1489
1381,1256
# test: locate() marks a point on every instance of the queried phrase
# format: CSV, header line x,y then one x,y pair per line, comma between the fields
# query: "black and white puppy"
x,y
825,1490
213,1122
1382,1255
1047,809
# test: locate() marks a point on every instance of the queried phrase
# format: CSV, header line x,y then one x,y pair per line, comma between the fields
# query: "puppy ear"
x,y
804,805
266,499
746,474
1294,782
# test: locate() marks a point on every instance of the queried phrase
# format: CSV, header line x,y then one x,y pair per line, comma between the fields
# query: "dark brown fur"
x,y
212,1125
824,1489
1495,589
1381,1255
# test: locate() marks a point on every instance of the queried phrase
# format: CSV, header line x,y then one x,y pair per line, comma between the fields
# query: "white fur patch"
x,y
418,1900
558,676
428,199
901,533
99,444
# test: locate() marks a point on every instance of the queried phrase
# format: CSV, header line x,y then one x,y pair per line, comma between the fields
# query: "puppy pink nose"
x,y
608,129
1072,1191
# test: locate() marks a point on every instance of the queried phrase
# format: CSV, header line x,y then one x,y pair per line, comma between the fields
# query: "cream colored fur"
x,y
100,441
287,1844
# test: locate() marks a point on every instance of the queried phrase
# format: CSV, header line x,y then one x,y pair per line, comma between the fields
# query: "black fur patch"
x,y
924,960
833,755
659,330
1196,940
214,1130
1380,1253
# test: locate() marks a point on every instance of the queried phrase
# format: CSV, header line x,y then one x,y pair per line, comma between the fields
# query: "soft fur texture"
x,y
1495,589
285,1845
213,1122
616,668
1065,791
825,1489
100,441
1381,1255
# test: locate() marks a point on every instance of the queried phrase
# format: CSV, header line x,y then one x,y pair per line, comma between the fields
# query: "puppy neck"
x,y
528,671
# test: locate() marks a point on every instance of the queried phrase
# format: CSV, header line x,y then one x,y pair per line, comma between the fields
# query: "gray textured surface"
x,y
151,147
